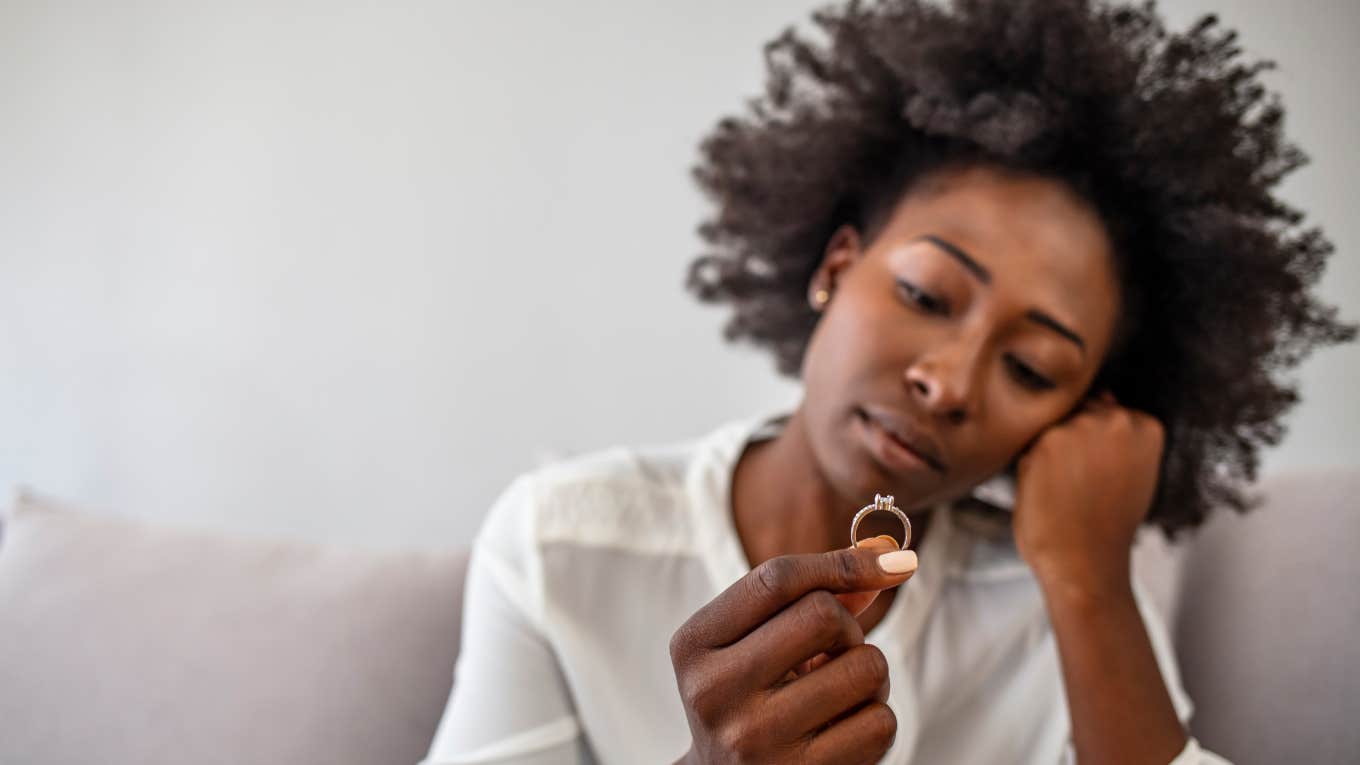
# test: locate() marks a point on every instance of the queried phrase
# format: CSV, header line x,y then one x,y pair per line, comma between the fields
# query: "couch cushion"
x,y
126,643
1268,623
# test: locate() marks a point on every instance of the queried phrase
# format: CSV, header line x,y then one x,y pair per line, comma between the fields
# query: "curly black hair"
x,y
1170,136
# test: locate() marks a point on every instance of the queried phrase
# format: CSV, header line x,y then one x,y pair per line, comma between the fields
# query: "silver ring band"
x,y
884,503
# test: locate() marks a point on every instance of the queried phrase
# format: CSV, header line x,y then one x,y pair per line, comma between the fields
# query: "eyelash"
x,y
1028,377
1033,379
917,296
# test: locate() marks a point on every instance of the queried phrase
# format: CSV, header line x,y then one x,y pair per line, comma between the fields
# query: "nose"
x,y
942,383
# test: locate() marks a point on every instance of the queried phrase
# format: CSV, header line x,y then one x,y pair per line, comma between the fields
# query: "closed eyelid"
x,y
1032,316
1035,315
914,288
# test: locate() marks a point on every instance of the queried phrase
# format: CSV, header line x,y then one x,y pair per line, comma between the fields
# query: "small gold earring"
x,y
821,297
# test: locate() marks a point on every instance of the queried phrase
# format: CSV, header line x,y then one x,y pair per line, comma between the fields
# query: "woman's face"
x,y
978,316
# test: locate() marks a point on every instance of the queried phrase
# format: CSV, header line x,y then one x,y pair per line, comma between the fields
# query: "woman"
x,y
1033,240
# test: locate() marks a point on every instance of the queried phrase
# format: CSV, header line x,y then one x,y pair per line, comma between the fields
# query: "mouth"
x,y
897,442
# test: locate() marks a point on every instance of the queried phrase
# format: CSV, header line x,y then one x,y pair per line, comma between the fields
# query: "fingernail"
x,y
898,562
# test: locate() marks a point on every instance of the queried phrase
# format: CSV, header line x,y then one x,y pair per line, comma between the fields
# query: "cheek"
x,y
1017,426
844,346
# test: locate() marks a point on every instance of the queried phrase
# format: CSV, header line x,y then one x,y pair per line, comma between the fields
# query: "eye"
x,y
923,299
1028,377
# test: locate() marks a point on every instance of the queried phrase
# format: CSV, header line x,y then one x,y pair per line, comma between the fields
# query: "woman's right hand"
x,y
775,669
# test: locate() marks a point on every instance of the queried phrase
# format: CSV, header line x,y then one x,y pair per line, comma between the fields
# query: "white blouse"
x,y
582,571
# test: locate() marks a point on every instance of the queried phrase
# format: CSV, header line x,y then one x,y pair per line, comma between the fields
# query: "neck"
x,y
783,503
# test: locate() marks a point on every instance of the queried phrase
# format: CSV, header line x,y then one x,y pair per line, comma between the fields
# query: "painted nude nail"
x,y
898,562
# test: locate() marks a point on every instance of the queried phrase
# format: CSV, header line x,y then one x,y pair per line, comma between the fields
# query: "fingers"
x,y
769,587
856,602
735,658
1105,400
816,624
857,676
861,738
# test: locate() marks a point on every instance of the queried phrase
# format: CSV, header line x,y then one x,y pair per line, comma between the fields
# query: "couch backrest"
x,y
1268,623
124,643
137,644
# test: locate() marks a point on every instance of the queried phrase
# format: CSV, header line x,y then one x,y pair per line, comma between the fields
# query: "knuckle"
x,y
868,666
880,724
691,689
739,740
824,611
848,628
826,622
705,699
877,663
1155,428
771,578
847,569
698,689
728,738
680,645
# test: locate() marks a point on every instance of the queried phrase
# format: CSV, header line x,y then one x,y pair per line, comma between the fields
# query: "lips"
x,y
904,434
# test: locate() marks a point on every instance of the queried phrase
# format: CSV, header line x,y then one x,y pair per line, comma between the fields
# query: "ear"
x,y
843,250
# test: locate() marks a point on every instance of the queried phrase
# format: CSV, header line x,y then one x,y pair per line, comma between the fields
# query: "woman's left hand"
x,y
1082,489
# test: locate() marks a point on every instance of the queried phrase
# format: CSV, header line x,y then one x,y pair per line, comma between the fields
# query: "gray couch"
x,y
122,642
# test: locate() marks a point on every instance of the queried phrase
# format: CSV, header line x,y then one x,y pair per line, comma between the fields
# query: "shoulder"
x,y
624,496
613,498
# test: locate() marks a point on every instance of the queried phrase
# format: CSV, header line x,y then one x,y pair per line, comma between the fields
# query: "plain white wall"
x,y
340,270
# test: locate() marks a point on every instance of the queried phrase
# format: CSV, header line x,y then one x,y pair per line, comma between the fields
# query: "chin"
x,y
860,478
917,502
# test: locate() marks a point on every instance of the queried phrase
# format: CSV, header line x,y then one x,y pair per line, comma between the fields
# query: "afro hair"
x,y
1170,135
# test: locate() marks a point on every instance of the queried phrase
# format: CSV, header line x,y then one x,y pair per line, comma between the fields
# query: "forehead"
x,y
1044,246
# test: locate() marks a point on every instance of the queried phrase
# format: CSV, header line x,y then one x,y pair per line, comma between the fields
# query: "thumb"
x,y
856,602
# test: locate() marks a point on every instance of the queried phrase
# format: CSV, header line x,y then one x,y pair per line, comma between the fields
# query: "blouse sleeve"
x,y
510,702
1194,754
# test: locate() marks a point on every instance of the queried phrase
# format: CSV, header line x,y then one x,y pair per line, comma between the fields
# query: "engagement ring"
x,y
884,503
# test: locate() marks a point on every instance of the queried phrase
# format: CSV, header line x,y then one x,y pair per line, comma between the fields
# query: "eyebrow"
x,y
962,257
1039,317
985,276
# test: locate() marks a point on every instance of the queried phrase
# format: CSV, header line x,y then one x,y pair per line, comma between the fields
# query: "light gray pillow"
x,y
122,642
1268,623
